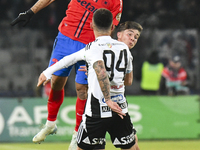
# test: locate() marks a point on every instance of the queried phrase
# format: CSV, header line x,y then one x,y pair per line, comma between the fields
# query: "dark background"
x,y
25,51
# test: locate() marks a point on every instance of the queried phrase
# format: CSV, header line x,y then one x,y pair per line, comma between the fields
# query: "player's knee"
x,y
57,82
82,91
82,94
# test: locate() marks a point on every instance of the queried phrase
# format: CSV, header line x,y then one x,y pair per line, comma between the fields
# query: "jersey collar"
x,y
103,37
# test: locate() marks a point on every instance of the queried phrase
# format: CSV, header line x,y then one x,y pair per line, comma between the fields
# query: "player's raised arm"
x,y
27,15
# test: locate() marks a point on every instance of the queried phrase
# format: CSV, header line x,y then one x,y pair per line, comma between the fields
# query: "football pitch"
x,y
144,145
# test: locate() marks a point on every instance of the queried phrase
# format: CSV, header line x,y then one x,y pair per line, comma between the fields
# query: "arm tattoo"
x,y
102,77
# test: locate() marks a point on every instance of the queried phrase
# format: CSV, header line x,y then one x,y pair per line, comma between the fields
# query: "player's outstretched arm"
x,y
26,16
104,83
65,62
42,79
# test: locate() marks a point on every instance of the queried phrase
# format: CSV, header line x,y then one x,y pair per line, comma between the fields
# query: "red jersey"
x,y
170,75
76,24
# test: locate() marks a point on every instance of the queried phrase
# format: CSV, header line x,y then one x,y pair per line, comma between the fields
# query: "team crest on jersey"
x,y
118,17
105,3
109,45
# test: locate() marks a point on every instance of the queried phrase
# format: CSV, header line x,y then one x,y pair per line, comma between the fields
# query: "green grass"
x,y
144,145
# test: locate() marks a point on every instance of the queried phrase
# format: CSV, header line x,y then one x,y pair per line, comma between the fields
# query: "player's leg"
x,y
91,133
81,89
79,148
125,139
136,143
136,146
55,100
58,82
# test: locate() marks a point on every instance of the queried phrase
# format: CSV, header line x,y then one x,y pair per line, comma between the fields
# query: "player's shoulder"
x,y
119,43
106,41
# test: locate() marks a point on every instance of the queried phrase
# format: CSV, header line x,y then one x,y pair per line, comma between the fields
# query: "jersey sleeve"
x,y
117,11
130,63
65,62
94,54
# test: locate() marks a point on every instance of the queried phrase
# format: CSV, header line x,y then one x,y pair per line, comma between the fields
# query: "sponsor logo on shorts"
x,y
116,142
128,139
86,140
54,60
100,141
124,140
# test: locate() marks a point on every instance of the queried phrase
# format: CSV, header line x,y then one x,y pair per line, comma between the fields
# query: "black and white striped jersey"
x,y
118,61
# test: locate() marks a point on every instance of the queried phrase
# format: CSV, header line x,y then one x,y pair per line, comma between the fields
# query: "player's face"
x,y
129,37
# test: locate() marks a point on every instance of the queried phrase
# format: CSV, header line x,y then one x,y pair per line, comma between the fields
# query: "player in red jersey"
x,y
74,34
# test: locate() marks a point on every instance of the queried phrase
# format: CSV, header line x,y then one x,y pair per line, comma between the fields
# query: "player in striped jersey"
x,y
106,108
74,34
129,33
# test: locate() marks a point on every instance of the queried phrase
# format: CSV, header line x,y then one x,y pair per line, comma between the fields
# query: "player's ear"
x,y
119,34
112,27
91,25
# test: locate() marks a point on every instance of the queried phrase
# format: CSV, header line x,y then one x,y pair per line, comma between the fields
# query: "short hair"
x,y
103,19
129,25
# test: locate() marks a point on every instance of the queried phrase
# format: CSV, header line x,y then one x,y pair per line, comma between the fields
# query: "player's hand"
x,y
42,79
23,17
83,68
115,107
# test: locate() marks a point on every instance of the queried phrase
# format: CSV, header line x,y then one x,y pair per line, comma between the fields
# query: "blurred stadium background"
x,y
169,27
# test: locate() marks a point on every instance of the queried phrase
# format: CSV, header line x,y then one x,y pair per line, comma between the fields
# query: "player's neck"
x,y
98,34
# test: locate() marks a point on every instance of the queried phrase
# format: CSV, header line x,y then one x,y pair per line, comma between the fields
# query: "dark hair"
x,y
153,57
129,25
103,19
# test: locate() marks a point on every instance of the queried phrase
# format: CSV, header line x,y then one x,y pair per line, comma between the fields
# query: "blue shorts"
x,y
62,47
